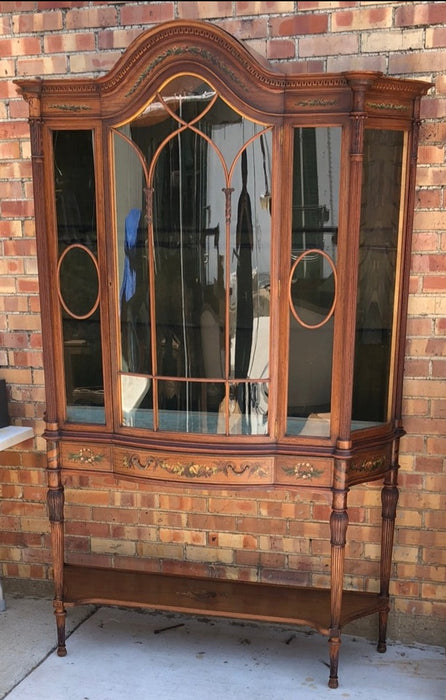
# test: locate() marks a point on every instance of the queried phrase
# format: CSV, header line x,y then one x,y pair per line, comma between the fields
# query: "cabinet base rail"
x,y
263,602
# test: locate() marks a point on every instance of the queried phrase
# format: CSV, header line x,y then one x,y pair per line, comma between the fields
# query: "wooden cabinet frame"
x,y
334,461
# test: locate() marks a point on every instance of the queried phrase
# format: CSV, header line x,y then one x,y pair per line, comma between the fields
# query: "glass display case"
x,y
223,263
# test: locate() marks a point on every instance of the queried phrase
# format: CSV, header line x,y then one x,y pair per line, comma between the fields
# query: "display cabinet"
x,y
223,259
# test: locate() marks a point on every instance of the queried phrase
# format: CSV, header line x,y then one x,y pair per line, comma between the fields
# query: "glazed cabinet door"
x,y
191,187
312,283
381,242
78,274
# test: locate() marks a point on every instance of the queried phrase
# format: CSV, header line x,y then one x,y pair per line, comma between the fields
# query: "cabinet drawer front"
x,y
92,458
369,465
193,468
304,471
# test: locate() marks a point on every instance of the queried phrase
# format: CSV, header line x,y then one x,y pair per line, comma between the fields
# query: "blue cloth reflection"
x,y
128,287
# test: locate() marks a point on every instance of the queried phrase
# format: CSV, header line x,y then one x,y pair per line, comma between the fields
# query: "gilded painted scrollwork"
x,y
86,456
193,469
303,471
387,105
195,51
316,102
71,108
369,465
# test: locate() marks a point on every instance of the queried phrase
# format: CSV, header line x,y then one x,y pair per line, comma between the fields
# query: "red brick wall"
x,y
112,520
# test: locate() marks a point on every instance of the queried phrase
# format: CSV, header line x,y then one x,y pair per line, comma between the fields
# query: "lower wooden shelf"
x,y
214,597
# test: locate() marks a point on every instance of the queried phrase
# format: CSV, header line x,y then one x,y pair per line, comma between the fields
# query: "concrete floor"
x,y
115,654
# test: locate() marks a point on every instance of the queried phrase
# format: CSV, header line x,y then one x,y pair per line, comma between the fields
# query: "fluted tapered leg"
x,y
55,499
338,530
389,499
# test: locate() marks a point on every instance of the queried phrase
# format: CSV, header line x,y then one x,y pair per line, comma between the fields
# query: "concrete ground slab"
x,y
27,636
115,653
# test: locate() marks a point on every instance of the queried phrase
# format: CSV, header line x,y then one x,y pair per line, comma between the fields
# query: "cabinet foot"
x,y
383,616
334,645
61,615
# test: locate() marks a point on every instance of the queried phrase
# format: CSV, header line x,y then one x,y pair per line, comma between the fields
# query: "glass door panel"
x,y
133,280
312,279
77,275
250,302
200,267
378,254
131,233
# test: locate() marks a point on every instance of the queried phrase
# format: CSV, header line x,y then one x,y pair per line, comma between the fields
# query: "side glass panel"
x,y
312,280
378,251
194,266
134,293
78,280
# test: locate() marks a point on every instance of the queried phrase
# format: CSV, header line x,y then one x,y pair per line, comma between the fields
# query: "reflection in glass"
x,y
172,417
219,417
78,281
131,235
135,394
378,246
203,246
253,420
312,304
76,226
316,171
250,263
